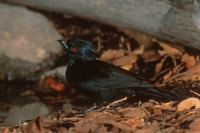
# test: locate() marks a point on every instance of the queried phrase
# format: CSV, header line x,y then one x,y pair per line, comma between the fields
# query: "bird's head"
x,y
78,50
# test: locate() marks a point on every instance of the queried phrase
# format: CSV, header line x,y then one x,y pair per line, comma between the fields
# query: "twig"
x,y
177,75
128,46
69,119
111,104
194,92
98,43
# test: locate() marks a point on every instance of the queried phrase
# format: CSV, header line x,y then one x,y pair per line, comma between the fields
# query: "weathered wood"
x,y
169,20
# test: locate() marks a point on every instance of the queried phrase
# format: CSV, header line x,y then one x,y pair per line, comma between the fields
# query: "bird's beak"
x,y
63,42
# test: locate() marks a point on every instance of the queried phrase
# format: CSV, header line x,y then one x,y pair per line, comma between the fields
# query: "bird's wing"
x,y
104,76
118,79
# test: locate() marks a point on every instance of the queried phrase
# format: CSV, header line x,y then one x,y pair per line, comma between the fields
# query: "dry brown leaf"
x,y
157,111
167,76
95,114
121,125
129,59
189,60
168,48
127,67
147,104
195,69
111,54
53,84
188,103
168,104
6,130
153,128
87,126
189,76
159,66
34,126
114,130
162,52
192,73
132,112
195,126
138,51
62,130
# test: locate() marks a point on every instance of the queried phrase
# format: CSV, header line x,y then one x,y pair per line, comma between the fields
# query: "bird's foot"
x,y
115,102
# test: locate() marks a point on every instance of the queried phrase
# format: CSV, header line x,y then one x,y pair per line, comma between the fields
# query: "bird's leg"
x,y
115,102
92,108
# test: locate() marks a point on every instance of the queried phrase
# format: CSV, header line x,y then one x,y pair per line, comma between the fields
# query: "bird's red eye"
x,y
73,49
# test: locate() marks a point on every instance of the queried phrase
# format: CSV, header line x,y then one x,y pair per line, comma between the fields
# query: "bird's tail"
x,y
160,93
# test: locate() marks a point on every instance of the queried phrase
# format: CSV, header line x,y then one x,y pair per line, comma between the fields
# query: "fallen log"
x,y
168,20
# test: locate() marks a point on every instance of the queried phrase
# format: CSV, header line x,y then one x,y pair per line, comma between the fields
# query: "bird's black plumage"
x,y
102,81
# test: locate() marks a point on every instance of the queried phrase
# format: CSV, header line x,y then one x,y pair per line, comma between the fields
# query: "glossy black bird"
x,y
102,81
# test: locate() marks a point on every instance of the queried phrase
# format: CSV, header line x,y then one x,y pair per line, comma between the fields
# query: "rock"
x,y
27,43
18,114
166,20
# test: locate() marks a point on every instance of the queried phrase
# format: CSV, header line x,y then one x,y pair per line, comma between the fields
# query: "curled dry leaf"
x,y
188,103
111,54
168,48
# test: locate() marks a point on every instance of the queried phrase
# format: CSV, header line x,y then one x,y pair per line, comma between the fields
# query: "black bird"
x,y
102,81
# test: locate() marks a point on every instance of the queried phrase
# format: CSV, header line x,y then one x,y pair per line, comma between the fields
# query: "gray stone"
x,y
27,40
166,20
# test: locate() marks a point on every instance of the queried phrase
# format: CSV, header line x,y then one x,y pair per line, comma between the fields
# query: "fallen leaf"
x,y
167,76
111,54
138,51
34,126
87,126
159,65
55,85
162,52
6,130
189,60
157,111
62,130
121,125
195,125
150,55
132,112
127,67
189,76
188,103
194,69
129,59
168,48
